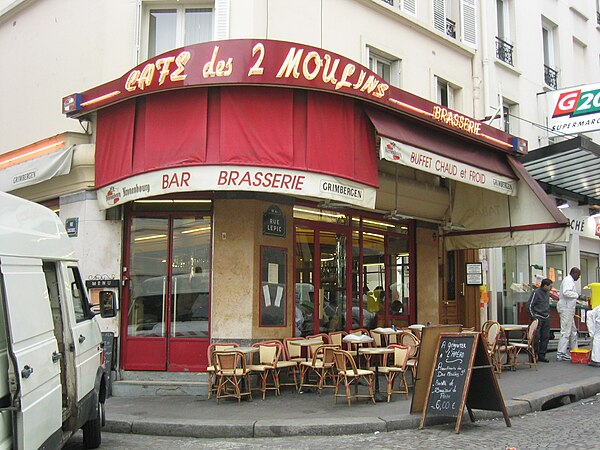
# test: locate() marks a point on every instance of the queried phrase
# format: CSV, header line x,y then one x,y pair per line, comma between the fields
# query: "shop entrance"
x,y
166,297
321,288
354,273
460,302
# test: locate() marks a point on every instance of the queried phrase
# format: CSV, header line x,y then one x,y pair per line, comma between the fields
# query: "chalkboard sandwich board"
x,y
462,376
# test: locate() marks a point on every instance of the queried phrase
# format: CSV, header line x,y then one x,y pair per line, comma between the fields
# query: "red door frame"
x,y
348,230
173,354
317,227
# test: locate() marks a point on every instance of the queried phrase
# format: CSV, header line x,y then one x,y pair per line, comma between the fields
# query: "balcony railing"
x,y
504,51
451,28
551,76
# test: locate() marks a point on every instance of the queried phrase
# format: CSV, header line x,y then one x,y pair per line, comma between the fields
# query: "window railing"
x,y
551,76
504,51
389,2
451,28
598,17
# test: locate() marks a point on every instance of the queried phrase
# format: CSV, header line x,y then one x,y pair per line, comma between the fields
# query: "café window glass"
x,y
170,27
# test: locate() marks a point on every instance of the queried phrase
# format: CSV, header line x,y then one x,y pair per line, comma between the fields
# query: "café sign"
x,y
236,178
276,63
426,161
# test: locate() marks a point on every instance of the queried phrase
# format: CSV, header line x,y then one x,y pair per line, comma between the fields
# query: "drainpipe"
x,y
485,62
137,30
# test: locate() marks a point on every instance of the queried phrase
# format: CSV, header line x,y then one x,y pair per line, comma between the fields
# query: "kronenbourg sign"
x,y
574,110
445,167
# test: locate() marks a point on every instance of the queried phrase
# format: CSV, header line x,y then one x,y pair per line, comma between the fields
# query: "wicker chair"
x,y
268,355
211,370
528,346
348,374
321,365
232,374
397,369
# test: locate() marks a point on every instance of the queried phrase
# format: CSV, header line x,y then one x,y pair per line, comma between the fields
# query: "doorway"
x,y
167,294
460,302
321,289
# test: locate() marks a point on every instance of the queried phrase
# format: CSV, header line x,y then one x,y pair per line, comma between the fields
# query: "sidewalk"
x,y
524,391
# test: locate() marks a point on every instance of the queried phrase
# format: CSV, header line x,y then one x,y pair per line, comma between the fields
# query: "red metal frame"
x,y
316,227
260,303
168,353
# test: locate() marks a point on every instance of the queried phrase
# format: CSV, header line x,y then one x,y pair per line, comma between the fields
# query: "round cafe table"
x,y
305,343
378,352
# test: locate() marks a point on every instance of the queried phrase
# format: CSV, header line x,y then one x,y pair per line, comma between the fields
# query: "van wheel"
x,y
92,429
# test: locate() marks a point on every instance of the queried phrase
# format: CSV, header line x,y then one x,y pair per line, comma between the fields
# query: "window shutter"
x,y
409,6
468,23
221,19
439,15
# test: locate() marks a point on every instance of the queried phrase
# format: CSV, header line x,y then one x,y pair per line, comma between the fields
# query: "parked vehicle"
x,y
52,378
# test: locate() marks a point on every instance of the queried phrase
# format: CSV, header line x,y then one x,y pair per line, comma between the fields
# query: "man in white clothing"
x,y
566,309
593,324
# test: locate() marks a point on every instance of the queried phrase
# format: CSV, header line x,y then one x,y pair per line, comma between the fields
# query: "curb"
x,y
320,427
517,406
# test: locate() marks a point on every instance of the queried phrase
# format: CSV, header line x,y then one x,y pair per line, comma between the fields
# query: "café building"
x,y
263,189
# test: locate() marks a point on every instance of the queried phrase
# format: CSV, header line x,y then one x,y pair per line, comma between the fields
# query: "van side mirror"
x,y
108,304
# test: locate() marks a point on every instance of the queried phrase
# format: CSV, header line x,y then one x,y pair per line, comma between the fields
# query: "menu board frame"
x,y
478,387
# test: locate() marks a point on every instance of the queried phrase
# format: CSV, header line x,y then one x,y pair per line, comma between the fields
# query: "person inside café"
x,y
538,307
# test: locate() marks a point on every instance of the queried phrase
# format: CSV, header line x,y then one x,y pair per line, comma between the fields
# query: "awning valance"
x,y
28,169
481,215
491,219
443,144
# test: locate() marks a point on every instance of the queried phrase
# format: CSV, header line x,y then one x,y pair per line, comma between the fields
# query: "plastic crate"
x,y
580,355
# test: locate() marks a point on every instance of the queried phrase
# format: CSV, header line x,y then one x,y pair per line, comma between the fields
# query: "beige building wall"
x,y
427,275
237,240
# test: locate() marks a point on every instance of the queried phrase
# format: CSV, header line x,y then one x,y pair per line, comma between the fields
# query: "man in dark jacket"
x,y
539,308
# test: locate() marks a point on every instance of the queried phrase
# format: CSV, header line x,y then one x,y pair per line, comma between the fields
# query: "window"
x,y
444,11
502,18
504,48
550,72
170,27
441,22
80,302
409,6
385,66
509,112
579,55
444,93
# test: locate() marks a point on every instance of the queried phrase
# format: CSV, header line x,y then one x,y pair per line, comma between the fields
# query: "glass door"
x,y
332,288
321,274
167,299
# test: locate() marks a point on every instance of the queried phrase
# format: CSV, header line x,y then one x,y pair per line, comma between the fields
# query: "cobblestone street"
x,y
533,431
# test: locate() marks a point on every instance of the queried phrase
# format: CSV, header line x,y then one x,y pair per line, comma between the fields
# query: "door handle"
x,y
462,289
81,338
56,356
26,372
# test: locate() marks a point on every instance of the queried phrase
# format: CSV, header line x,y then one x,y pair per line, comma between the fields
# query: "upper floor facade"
x,y
482,58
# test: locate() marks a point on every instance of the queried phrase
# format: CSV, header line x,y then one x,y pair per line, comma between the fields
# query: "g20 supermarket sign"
x,y
574,110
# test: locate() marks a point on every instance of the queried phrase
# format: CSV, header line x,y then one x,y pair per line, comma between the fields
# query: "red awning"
x,y
444,144
480,216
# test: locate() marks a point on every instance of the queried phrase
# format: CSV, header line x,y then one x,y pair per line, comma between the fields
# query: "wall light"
x,y
561,204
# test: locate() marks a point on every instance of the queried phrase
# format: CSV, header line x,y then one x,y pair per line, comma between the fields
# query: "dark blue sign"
x,y
72,226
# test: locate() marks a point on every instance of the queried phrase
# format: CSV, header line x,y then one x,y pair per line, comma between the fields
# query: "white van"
x,y
52,379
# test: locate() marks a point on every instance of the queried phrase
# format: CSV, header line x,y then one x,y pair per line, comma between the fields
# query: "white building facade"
x,y
473,57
